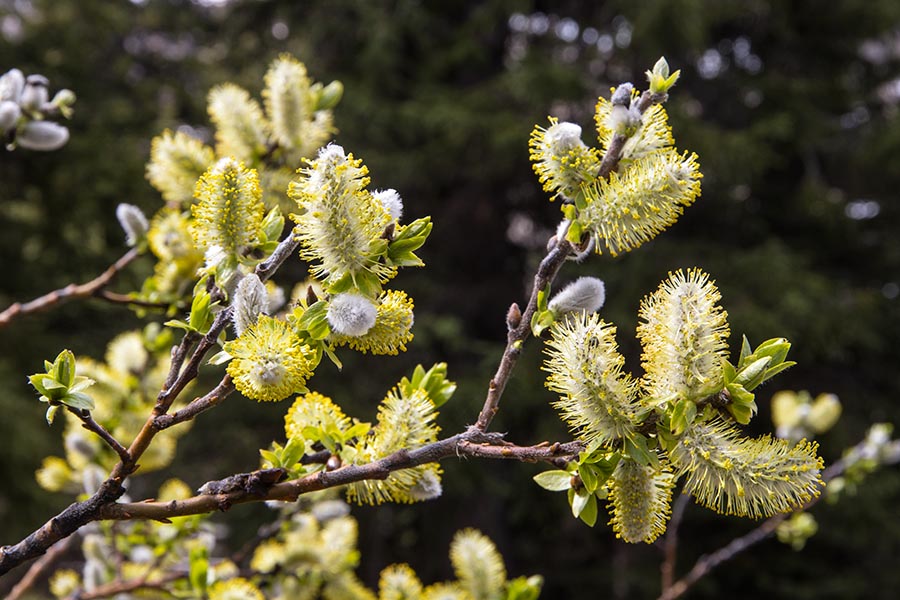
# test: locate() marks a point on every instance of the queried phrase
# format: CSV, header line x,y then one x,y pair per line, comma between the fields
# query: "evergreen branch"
x,y
472,443
70,292
88,422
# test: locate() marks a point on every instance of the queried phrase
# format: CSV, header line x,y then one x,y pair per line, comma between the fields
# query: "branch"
x,y
90,424
69,292
196,406
131,585
39,566
670,543
79,514
115,298
472,443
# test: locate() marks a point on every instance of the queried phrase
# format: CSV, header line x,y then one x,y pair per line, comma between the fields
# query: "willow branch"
x,y
670,543
69,292
472,443
545,275
131,585
196,406
88,422
79,514
116,298
39,566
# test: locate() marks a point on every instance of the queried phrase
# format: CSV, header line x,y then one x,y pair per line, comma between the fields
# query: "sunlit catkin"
x,y
640,501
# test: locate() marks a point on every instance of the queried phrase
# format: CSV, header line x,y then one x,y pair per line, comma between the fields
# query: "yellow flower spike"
x,y
170,238
339,221
640,501
653,133
734,475
404,422
176,163
241,127
235,589
684,334
629,209
314,410
399,582
445,591
392,330
268,556
269,362
598,400
291,106
477,564
229,209
562,162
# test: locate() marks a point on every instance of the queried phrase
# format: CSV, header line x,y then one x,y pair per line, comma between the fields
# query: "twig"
x,y
88,422
39,566
197,405
670,543
131,585
69,292
115,298
472,443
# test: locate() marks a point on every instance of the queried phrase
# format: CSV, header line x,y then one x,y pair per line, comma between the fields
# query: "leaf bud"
x,y
333,463
42,135
250,299
35,93
351,314
133,221
11,84
330,96
584,294
513,316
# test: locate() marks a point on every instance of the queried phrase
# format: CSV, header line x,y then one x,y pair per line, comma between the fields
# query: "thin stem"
x,y
131,585
670,543
198,405
69,292
88,422
116,298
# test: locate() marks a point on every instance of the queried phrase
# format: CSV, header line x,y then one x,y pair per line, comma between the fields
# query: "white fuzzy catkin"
x,y
250,299
391,201
42,135
351,314
584,294
133,221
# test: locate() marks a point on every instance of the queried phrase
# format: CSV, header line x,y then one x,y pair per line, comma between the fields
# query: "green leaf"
x,y
367,283
273,224
521,588
540,321
745,351
344,284
589,512
728,371
589,477
574,233
742,413
772,372
752,375
580,501
199,567
200,312
683,414
636,449
554,481
78,400
219,358
64,368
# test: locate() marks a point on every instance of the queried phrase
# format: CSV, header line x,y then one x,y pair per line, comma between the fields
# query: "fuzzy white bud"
x,y
250,299
563,137
391,201
351,314
9,115
133,221
11,85
584,294
42,135
35,93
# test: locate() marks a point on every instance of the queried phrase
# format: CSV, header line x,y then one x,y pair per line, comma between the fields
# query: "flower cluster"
x,y
623,209
26,109
677,421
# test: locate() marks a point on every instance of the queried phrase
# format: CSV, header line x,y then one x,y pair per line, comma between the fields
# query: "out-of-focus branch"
x,y
670,542
39,566
72,291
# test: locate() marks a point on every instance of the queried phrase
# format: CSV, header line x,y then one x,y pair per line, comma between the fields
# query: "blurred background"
x,y
791,106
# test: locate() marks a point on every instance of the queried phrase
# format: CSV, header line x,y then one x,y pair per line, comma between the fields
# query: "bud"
x,y
824,413
42,135
786,413
513,316
250,300
63,101
659,78
351,314
330,96
35,93
133,221
11,85
391,201
584,294
9,115
622,95
427,487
